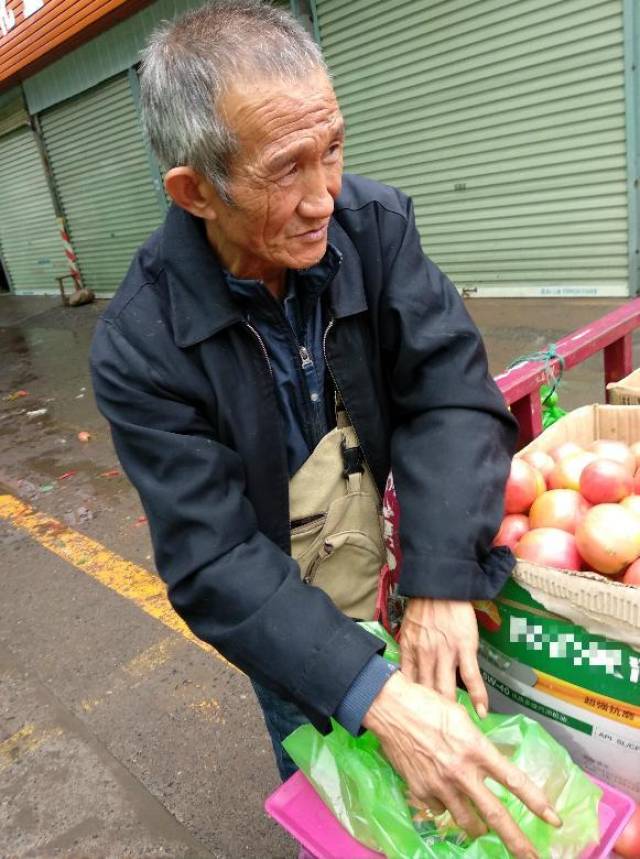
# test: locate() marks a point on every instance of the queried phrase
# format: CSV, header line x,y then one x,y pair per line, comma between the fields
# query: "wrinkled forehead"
x,y
268,115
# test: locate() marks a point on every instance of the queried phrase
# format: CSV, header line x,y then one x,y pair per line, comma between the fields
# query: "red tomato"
x,y
511,529
562,451
605,482
566,473
608,538
523,487
632,574
540,460
628,845
550,547
618,451
558,508
632,504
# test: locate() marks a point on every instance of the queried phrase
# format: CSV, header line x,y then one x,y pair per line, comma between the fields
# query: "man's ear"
x,y
191,191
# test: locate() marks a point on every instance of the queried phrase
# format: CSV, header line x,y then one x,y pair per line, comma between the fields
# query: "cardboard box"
x,y
626,392
564,647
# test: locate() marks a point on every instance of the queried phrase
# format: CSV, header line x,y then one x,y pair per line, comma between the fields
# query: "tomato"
x,y
628,845
511,529
523,487
550,547
605,481
540,460
616,450
636,482
566,473
558,508
632,574
608,538
562,451
632,504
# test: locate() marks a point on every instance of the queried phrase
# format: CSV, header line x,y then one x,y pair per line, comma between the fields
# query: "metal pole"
x,y
57,204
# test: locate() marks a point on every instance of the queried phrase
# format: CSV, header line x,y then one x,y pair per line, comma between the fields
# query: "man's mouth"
x,y
314,235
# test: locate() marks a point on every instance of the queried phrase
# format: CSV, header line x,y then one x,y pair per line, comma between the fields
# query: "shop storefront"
x,y
511,124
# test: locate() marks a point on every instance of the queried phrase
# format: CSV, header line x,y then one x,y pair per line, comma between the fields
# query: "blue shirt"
x,y
293,334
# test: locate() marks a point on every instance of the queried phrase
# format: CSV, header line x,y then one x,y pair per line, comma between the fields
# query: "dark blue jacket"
x,y
184,382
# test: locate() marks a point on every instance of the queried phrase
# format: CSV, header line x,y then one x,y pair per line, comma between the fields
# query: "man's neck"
x,y
245,267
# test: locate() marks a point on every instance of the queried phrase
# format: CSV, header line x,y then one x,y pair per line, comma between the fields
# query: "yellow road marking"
x,y
128,580
25,740
152,657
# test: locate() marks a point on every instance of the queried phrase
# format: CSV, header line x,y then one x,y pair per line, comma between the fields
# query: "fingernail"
x,y
551,817
481,710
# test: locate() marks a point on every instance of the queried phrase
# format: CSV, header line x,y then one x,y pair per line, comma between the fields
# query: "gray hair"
x,y
188,65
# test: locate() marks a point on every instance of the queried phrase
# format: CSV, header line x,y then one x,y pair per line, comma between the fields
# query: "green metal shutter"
x,y
505,121
103,177
13,113
30,242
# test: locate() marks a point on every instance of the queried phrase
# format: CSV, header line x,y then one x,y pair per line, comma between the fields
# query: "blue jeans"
x,y
281,718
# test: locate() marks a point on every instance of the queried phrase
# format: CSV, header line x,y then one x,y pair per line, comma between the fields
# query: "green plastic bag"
x,y
551,411
370,799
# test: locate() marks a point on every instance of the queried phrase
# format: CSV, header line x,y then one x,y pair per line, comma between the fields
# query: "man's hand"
x,y
445,759
437,637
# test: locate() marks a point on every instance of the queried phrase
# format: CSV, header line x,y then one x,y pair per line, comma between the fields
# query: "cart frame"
x,y
612,335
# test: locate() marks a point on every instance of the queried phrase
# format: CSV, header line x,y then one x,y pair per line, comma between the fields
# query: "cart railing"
x,y
612,335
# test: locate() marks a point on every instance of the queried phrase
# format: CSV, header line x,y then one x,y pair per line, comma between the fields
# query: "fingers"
x,y
426,669
445,675
498,818
499,768
426,802
470,673
463,812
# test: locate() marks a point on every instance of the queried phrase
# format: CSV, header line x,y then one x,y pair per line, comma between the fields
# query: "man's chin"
x,y
309,258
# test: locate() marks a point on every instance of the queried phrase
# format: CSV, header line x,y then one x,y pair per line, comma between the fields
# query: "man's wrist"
x,y
376,718
364,689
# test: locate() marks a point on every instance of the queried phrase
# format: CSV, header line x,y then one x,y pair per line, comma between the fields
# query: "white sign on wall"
x,y
8,18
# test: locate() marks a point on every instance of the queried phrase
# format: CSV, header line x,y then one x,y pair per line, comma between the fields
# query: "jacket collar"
x,y
202,303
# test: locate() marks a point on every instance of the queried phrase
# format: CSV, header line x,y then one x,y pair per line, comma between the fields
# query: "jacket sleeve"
x,y
452,435
235,588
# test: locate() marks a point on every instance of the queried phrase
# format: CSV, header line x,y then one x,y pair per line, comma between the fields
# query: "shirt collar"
x,y
313,280
202,303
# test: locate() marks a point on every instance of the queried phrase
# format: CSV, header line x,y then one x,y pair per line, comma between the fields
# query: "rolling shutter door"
x,y
103,178
30,242
505,121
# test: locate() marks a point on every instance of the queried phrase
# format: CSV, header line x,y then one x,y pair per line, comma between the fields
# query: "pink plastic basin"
x,y
298,808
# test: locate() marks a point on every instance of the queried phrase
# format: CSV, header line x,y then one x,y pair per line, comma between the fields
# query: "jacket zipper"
x,y
262,346
305,357
326,361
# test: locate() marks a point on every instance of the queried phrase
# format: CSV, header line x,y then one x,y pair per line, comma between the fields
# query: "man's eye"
x,y
334,150
291,170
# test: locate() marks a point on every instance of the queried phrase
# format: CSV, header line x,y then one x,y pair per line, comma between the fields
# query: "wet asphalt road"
x,y
118,736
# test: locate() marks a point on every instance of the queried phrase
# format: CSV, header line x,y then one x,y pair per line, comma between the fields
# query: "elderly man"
x,y
276,347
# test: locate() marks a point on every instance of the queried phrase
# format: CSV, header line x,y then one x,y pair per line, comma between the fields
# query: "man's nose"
x,y
317,201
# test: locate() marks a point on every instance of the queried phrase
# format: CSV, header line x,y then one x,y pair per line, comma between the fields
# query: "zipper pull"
x,y
305,357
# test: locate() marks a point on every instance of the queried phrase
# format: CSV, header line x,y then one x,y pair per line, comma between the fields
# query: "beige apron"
x,y
336,522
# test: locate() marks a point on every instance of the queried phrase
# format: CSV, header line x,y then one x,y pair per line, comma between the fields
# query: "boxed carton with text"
x,y
564,647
